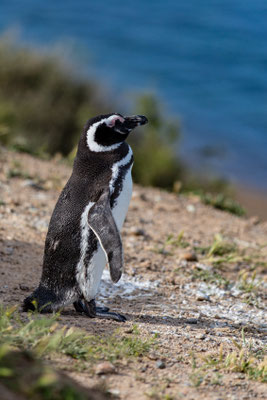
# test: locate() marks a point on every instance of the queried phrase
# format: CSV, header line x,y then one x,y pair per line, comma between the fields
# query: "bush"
x,y
156,163
42,105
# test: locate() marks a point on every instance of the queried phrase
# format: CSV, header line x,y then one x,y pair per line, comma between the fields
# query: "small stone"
x,y
189,256
143,197
203,267
114,392
143,369
160,364
105,368
129,330
24,287
153,356
192,321
190,208
137,231
200,336
8,251
202,297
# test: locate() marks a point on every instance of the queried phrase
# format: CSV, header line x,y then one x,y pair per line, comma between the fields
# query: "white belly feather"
x,y
89,286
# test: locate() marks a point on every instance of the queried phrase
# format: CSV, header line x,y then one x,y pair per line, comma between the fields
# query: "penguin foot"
x,y
92,311
80,307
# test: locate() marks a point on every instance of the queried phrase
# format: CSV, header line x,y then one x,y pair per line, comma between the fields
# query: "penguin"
x,y
84,229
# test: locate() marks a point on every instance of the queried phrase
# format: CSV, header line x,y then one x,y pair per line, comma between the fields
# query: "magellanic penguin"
x,y
83,234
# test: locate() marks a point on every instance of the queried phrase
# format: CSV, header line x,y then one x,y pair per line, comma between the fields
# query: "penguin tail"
x,y
42,300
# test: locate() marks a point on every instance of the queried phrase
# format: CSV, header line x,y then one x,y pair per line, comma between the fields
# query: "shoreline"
x,y
253,200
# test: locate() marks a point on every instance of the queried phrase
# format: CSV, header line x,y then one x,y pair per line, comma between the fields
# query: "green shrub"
x,y
43,106
156,162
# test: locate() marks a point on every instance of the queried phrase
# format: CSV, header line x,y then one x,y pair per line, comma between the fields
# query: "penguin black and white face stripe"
x,y
107,132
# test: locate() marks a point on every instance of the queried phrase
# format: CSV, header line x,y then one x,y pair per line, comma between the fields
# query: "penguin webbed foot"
x,y
90,309
80,307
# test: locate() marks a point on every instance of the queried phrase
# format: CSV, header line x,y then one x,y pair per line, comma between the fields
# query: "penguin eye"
x,y
114,120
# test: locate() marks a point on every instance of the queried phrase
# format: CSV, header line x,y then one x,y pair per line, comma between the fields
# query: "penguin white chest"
x,y
90,285
121,206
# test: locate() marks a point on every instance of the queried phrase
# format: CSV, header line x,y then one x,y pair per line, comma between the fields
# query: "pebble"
x,y
202,297
8,251
24,287
105,368
153,356
137,231
114,392
200,336
204,267
192,321
129,330
160,364
190,208
189,256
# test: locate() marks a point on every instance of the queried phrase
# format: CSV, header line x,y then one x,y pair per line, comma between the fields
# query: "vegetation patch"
x,y
245,360
44,336
26,342
222,201
210,277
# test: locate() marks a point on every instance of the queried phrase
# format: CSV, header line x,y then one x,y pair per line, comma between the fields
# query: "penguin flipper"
x,y
103,225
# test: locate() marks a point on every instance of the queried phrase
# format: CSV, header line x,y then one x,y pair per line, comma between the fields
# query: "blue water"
x,y
207,60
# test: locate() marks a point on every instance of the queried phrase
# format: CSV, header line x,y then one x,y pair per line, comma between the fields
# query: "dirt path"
x,y
190,297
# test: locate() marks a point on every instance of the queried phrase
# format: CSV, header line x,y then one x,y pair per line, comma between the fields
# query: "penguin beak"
x,y
134,121
130,123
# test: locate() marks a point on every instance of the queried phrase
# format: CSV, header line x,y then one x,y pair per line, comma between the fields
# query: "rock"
x,y
8,251
189,256
160,364
24,287
192,321
190,208
153,356
129,330
200,336
114,392
137,231
203,267
202,297
143,197
105,368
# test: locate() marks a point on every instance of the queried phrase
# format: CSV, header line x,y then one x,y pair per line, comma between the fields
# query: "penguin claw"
x,y
111,315
90,309
102,309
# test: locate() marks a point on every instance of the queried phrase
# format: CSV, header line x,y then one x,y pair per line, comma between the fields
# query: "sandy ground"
x,y
162,291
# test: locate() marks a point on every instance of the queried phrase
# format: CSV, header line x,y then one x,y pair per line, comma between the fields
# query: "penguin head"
x,y
107,132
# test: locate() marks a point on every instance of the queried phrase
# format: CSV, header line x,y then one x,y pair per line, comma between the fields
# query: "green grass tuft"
x,y
222,202
44,336
252,363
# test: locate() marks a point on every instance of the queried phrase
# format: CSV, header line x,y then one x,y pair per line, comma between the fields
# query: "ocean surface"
x,y
207,61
